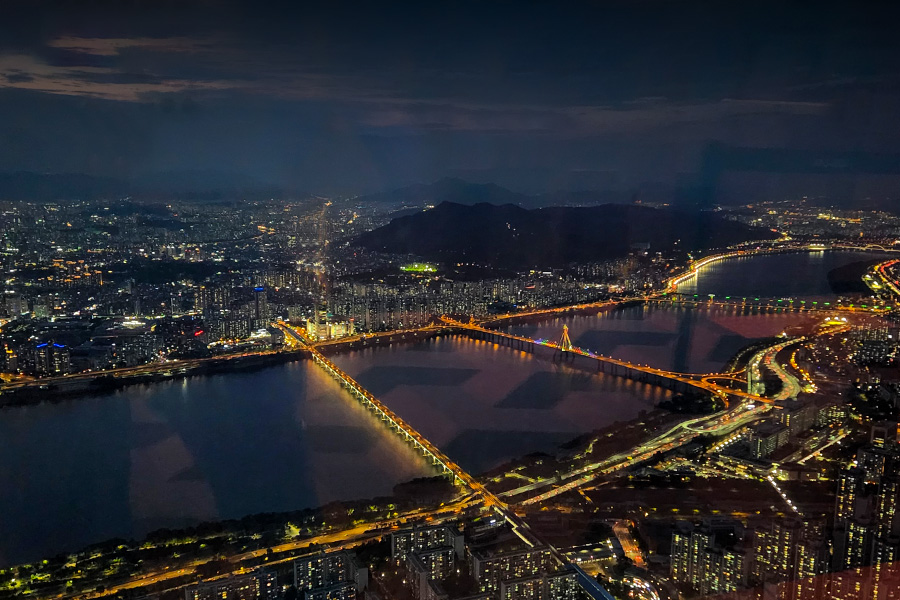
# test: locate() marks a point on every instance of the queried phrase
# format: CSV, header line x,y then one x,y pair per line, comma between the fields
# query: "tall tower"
x,y
565,344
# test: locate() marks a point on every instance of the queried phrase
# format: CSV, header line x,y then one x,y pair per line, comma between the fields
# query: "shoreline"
x,y
592,442
56,390
693,270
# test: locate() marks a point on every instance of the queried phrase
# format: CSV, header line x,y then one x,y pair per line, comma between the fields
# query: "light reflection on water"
x,y
288,437
685,340
484,404
173,454
802,274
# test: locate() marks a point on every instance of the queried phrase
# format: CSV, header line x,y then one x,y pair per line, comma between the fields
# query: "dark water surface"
x,y
288,437
800,274
685,340
484,404
177,453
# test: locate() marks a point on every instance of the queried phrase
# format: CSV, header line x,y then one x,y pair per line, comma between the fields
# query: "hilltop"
x,y
510,236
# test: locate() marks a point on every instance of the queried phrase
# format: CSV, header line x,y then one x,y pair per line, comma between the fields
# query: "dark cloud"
x,y
13,76
361,95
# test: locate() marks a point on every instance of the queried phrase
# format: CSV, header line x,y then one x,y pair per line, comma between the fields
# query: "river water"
x,y
684,340
483,404
288,437
794,275
177,453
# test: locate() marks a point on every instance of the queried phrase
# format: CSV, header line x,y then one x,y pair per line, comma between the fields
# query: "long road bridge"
x,y
760,304
768,248
677,435
707,383
440,460
710,383
391,419
677,382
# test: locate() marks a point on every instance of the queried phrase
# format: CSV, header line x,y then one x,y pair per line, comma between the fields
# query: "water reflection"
x,y
685,340
484,404
803,274
177,453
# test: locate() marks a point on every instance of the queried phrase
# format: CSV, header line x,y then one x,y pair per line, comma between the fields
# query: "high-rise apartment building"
x,y
330,576
706,558
260,585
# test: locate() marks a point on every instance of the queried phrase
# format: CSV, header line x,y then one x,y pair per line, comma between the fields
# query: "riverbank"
x,y
687,278
65,388
211,548
555,313
848,279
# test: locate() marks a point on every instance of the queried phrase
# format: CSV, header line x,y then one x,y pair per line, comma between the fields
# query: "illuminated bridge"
x,y
410,435
429,450
394,421
670,294
677,382
761,304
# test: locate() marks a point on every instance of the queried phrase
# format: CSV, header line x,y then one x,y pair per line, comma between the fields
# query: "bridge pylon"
x,y
565,344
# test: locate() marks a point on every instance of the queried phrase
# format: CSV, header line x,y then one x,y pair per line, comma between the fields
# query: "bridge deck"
x,y
700,381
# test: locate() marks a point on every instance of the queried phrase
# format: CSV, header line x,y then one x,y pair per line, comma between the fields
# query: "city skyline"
x,y
594,300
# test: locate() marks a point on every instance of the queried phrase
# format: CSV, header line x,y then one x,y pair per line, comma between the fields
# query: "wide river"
x,y
288,437
795,275
178,453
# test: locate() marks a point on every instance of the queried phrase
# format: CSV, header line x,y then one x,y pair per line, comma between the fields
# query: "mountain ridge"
x,y
460,191
511,236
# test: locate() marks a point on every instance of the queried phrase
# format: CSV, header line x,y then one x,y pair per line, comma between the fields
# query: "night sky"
x,y
352,97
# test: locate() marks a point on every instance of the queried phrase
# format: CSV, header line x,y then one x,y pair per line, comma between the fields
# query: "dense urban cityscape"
x,y
785,466
449,301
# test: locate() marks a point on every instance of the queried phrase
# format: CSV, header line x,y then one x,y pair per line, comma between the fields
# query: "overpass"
x,y
882,276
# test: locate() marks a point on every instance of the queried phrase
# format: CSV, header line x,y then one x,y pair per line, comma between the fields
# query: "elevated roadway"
x,y
882,277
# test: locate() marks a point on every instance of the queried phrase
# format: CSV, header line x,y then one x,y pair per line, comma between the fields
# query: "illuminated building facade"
x,y
705,558
329,576
261,585
51,359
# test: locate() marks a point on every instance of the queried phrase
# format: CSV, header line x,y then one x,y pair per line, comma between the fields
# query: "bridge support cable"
x,y
565,344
